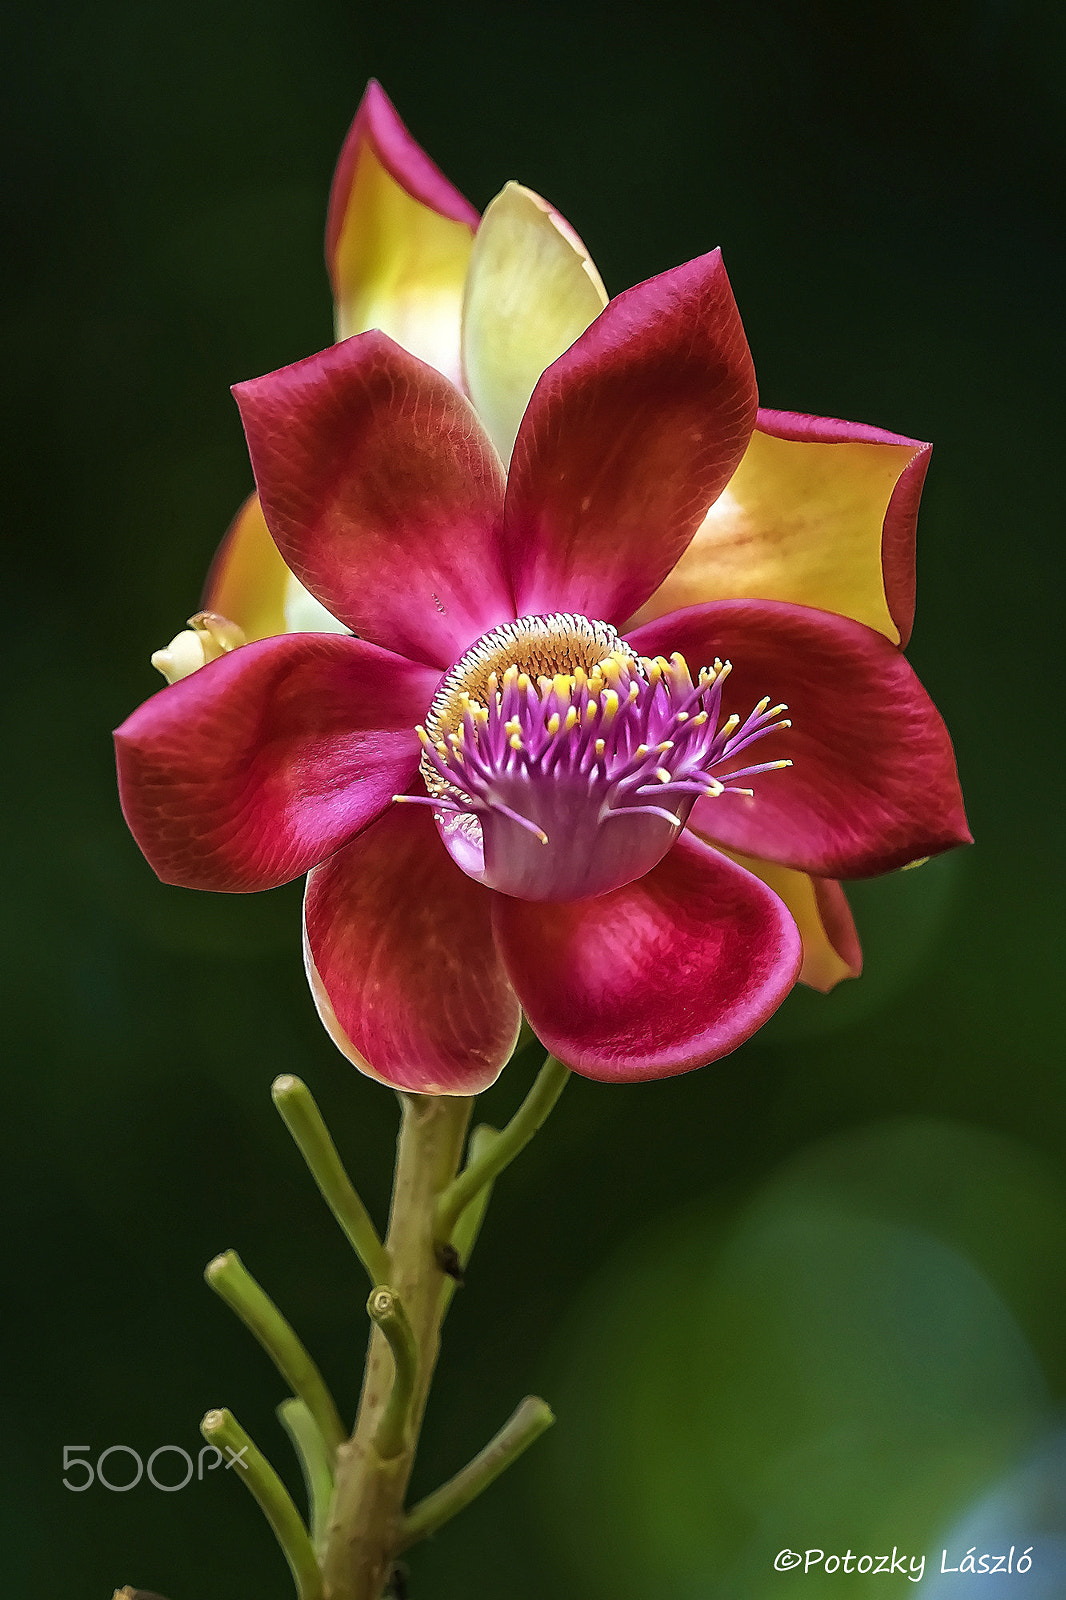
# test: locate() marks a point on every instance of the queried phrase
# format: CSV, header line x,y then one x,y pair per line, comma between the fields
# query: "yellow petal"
x,y
397,263
530,292
250,583
817,905
802,521
248,578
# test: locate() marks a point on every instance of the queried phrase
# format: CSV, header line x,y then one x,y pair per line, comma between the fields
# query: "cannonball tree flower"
x,y
819,512
492,779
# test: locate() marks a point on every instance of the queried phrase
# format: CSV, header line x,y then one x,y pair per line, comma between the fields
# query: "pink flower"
x,y
515,676
819,512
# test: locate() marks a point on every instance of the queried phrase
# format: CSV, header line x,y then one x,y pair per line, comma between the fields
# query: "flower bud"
x,y
207,637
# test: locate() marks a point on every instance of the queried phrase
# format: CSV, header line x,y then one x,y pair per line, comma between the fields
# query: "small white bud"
x,y
207,637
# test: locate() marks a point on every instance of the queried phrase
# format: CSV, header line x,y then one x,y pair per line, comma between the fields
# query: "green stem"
x,y
530,1420
307,1441
304,1121
387,1312
222,1429
232,1281
367,1509
497,1154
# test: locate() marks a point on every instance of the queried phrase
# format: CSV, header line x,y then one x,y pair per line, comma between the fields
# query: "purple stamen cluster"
x,y
639,733
515,760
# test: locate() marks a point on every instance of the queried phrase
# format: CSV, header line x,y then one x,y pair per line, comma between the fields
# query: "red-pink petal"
x,y
402,962
383,493
628,439
901,515
873,783
253,769
819,908
650,980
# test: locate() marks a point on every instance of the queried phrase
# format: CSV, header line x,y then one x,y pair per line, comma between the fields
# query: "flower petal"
x,y
531,290
398,239
628,438
250,584
820,513
873,783
383,494
670,972
256,767
819,908
399,951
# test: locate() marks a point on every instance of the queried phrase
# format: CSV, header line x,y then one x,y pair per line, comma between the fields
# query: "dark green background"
x,y
811,1296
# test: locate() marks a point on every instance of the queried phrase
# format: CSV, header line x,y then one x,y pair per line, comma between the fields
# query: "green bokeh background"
x,y
812,1296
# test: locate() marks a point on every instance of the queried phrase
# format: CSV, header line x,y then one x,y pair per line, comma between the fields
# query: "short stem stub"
x,y
222,1429
498,1152
386,1312
304,1121
530,1420
234,1284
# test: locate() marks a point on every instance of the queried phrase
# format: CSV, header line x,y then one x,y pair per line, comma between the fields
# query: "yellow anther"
x,y
515,742
610,704
524,682
667,744
592,709
700,718
634,690
729,724
554,723
777,710
571,718
563,684
423,737
761,707
600,746
664,775
510,676
512,726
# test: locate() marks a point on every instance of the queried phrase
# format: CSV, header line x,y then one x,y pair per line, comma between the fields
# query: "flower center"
x,y
560,764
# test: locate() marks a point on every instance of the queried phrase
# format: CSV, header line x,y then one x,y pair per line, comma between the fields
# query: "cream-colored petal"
x,y
801,521
305,614
400,266
830,944
530,292
250,583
